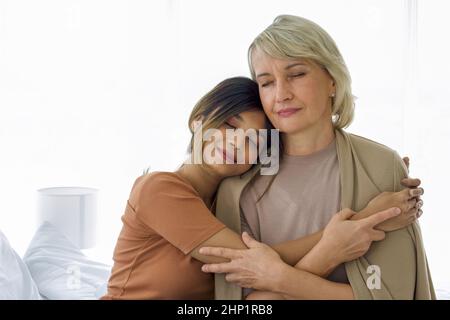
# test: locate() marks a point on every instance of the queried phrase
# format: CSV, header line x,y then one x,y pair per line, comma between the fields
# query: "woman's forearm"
x,y
293,251
297,284
319,262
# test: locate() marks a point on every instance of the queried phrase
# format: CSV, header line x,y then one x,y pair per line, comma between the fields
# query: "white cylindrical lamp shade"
x,y
73,210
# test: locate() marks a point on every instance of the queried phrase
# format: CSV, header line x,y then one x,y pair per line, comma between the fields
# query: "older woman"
x,y
304,86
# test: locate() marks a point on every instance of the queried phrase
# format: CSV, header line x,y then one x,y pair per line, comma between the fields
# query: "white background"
x,y
92,92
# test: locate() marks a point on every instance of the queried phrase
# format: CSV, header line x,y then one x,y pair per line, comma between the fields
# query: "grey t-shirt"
x,y
300,200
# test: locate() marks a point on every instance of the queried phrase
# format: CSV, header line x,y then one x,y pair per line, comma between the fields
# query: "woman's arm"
x,y
295,283
315,261
283,281
408,201
291,252
258,267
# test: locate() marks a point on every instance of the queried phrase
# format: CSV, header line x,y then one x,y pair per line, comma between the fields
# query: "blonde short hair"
x,y
292,37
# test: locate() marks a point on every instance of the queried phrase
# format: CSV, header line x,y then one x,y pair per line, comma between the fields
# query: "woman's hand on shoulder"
x,y
408,200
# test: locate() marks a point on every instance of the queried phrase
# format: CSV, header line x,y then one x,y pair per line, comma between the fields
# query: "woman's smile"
x,y
287,112
227,158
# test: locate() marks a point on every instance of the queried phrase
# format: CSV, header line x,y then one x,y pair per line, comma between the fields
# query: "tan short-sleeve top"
x,y
164,220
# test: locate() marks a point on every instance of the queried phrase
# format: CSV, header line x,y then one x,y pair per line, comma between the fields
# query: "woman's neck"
x,y
308,141
204,181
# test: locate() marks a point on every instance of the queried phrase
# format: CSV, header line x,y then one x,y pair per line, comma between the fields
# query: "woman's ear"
x,y
333,88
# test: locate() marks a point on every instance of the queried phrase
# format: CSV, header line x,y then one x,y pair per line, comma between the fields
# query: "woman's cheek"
x,y
266,101
252,154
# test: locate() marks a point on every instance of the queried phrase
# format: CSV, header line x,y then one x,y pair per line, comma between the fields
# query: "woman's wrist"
x,y
280,278
364,213
319,261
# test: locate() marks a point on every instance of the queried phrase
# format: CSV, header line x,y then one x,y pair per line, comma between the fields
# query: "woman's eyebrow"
x,y
294,65
264,74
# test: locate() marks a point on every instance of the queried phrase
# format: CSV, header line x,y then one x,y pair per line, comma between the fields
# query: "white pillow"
x,y
60,270
15,279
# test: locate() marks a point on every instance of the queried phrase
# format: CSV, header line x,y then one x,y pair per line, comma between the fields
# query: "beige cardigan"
x,y
366,169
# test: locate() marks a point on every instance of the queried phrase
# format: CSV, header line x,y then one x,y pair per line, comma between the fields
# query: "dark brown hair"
x,y
229,98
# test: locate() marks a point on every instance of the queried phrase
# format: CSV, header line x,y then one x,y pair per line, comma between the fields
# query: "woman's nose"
x,y
283,91
236,143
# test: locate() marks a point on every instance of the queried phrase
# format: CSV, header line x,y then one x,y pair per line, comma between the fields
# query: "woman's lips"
x,y
226,156
286,113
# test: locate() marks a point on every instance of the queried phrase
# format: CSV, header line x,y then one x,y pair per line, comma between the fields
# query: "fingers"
x,y
415,212
218,268
380,217
409,193
249,241
411,183
419,213
220,252
410,204
419,204
404,195
346,214
377,235
232,277
406,161
416,192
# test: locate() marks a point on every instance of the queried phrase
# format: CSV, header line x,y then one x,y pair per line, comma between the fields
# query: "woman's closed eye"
x,y
297,75
230,126
266,84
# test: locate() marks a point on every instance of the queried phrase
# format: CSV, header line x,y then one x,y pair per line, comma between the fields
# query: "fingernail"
x,y
202,251
397,210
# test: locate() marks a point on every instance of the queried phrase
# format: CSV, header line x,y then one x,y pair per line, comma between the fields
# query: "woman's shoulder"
x,y
378,160
160,182
235,184
367,145
371,152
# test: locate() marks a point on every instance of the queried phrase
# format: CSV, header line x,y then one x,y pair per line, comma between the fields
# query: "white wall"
x,y
92,92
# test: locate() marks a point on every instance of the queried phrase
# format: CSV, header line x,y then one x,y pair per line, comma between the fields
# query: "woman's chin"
x,y
289,125
229,170
291,128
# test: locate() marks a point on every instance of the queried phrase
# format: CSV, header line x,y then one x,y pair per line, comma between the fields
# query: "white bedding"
x,y
61,270
15,279
52,268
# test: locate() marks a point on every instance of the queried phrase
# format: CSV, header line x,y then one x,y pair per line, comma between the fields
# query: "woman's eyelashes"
x,y
295,75
229,126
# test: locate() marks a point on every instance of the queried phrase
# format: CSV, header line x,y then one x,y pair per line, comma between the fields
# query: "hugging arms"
x,y
310,259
